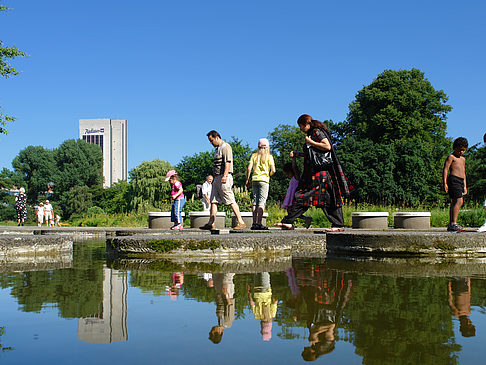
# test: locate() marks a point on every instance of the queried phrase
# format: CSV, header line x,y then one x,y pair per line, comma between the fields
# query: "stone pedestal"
x,y
411,220
247,218
160,220
199,219
370,220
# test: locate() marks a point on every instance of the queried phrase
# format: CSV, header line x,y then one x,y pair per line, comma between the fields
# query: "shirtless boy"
x,y
455,183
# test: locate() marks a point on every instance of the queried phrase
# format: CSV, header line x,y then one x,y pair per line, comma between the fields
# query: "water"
x,y
93,311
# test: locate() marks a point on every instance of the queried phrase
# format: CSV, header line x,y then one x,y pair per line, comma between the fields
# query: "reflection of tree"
x,y
2,347
77,292
401,321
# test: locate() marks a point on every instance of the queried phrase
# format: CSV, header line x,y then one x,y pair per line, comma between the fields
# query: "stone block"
x,y
411,220
199,219
370,220
247,218
160,220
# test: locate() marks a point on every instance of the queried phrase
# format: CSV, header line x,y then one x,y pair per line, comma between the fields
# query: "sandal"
x,y
335,229
207,227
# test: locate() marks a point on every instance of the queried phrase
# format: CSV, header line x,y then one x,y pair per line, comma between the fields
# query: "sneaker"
x,y
482,228
176,227
455,228
255,227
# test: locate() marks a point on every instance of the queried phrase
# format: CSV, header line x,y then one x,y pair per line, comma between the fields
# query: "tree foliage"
x,y
76,201
393,143
476,173
37,167
79,164
148,187
6,70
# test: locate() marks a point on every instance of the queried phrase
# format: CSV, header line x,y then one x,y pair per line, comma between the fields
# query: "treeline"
x,y
392,146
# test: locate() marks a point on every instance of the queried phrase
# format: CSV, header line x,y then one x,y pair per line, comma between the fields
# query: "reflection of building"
x,y
111,136
112,326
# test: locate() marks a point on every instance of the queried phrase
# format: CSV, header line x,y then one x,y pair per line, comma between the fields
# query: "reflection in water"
x,y
112,325
263,304
177,281
397,311
325,294
459,297
224,290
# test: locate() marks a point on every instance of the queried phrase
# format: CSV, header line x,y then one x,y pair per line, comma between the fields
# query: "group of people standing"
x,y
320,185
46,211
43,211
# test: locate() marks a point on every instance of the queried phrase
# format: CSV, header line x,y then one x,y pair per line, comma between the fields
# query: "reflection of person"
x,y
178,200
21,207
263,304
49,214
206,192
177,281
325,293
40,214
459,298
263,166
455,184
321,188
222,192
225,307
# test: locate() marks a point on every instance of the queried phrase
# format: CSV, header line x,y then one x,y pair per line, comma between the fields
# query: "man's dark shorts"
x,y
456,186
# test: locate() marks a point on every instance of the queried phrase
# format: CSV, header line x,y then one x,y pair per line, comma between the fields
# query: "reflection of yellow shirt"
x,y
261,171
264,308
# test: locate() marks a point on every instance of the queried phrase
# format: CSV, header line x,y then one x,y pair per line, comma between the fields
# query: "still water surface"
x,y
94,311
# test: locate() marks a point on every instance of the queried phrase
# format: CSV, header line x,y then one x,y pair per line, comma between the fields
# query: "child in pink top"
x,y
177,195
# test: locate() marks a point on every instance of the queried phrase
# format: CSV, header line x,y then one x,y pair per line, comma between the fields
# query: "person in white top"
x,y
49,214
206,192
40,214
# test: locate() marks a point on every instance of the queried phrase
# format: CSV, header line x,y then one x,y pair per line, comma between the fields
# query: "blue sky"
x,y
177,69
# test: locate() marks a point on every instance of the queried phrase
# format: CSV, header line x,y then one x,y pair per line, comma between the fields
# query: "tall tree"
x,y
148,187
7,53
401,120
79,164
37,167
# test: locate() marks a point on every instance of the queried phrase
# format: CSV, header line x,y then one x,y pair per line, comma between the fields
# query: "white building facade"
x,y
111,136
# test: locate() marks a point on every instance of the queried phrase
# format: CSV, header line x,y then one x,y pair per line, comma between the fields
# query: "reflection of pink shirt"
x,y
289,197
175,189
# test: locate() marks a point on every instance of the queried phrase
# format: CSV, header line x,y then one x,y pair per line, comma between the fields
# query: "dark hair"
x,y
213,134
305,119
484,138
460,142
288,168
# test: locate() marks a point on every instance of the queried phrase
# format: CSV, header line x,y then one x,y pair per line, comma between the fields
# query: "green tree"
x,y
7,53
401,118
76,200
9,178
117,198
37,167
476,173
148,187
79,164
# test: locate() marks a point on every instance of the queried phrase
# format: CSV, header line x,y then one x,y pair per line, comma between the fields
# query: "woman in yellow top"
x,y
263,166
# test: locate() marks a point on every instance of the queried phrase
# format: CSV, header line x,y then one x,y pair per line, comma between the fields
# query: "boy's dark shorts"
x,y
456,186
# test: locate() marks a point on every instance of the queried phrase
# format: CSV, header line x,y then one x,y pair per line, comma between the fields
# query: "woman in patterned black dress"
x,y
21,207
319,188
